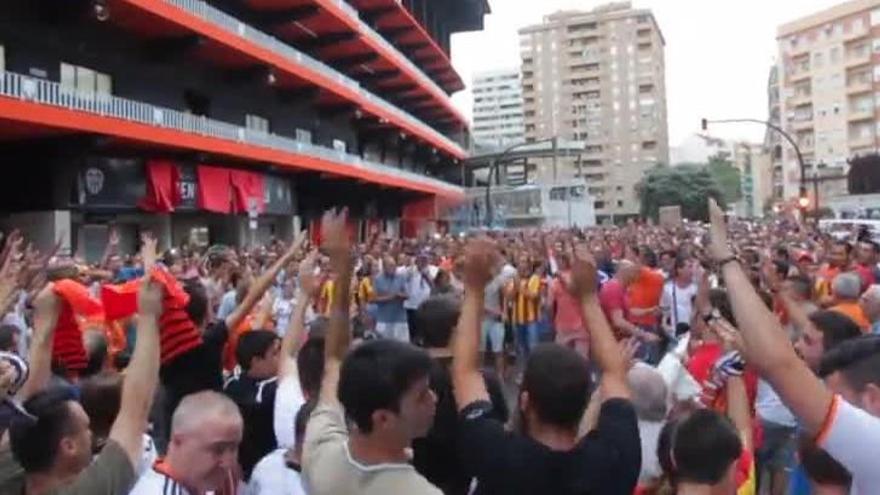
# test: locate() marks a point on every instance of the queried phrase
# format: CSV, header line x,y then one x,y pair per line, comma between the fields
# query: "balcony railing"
x,y
242,30
51,93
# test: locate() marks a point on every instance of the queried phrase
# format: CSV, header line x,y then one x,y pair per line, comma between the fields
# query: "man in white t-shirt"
x,y
419,281
677,300
279,471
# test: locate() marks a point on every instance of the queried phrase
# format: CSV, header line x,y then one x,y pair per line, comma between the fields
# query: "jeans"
x,y
527,336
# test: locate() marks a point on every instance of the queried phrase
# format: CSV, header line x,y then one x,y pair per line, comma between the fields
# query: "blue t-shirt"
x,y
389,311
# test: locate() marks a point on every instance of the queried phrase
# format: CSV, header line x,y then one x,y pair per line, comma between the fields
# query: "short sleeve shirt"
x,y
390,311
111,473
329,469
852,437
612,296
606,461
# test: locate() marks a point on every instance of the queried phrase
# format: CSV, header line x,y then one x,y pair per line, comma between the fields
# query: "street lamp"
x,y
802,196
493,167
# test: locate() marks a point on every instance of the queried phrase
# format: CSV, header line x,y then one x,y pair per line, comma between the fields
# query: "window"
x,y
875,17
834,55
877,72
2,58
600,205
256,123
619,203
85,81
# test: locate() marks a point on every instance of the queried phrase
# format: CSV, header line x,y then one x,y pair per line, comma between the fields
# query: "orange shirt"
x,y
645,293
856,314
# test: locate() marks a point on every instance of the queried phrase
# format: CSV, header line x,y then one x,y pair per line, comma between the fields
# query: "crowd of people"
x,y
717,358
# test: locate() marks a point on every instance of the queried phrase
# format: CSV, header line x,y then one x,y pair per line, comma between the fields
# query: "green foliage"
x,y
727,177
688,186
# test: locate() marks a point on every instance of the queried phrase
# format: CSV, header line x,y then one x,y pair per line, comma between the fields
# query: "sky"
x,y
718,54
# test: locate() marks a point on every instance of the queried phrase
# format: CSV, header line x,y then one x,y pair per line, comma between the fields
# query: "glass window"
x,y
2,58
68,76
85,80
875,17
103,84
835,55
256,123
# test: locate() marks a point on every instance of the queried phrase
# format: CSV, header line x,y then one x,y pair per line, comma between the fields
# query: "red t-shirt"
x,y
612,296
645,293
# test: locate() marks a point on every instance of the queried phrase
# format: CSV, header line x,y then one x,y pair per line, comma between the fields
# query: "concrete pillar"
x,y
42,228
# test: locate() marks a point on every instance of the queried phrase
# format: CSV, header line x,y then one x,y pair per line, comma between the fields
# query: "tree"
x,y
687,186
727,177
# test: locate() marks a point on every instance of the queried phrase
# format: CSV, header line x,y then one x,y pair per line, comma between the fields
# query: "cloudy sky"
x,y
718,54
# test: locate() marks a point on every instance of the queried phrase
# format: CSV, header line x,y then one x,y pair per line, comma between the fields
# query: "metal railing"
x,y
242,30
51,93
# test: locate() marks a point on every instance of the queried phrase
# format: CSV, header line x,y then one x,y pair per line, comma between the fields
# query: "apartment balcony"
x,y
796,77
858,58
860,114
859,86
799,100
37,107
224,41
801,125
854,34
860,141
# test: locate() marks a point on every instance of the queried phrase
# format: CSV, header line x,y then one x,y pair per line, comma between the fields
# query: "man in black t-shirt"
x,y
436,456
549,456
254,393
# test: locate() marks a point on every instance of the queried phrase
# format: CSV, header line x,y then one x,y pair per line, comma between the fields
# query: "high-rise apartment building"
x,y
498,108
599,77
242,119
828,70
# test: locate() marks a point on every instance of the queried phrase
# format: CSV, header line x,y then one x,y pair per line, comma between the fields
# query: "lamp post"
x,y
493,168
802,193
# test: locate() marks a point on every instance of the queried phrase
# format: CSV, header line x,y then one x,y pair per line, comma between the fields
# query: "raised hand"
x,y
335,239
718,247
149,298
148,251
308,282
584,274
481,257
295,247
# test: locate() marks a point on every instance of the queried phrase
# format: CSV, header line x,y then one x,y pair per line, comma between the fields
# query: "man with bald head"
x,y
846,288
649,398
870,303
389,292
206,430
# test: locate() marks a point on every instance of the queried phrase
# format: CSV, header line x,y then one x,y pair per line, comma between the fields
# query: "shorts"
x,y
777,452
493,331
397,330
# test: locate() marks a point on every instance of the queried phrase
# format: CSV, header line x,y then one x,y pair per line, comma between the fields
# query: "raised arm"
x,y
766,345
467,381
603,346
293,337
262,284
142,374
47,305
738,409
338,247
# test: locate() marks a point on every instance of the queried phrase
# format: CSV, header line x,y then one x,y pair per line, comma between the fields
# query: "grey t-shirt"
x,y
492,292
329,468
111,473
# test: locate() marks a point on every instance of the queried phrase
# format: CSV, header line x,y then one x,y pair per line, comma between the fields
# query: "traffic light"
x,y
803,199
803,202
705,124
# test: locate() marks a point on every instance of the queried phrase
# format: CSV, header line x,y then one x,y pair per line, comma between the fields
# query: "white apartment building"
x,y
498,108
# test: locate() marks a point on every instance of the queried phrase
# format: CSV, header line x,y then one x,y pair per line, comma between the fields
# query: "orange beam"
x,y
205,28
61,118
